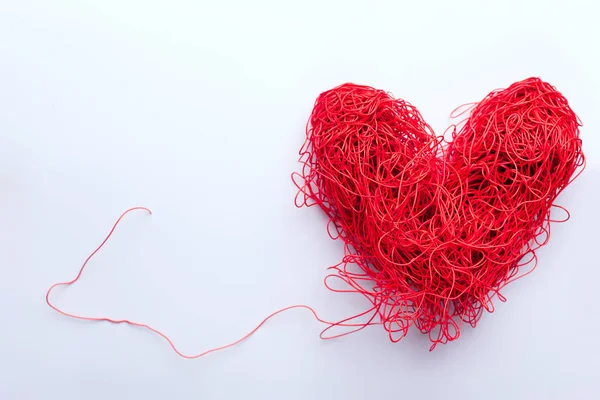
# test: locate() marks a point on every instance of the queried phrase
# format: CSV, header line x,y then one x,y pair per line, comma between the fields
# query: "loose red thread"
x,y
330,325
436,228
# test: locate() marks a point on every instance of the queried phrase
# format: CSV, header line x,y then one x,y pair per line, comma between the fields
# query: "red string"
x,y
437,228
330,325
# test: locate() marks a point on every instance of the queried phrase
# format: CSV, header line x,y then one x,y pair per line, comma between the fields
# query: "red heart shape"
x,y
438,228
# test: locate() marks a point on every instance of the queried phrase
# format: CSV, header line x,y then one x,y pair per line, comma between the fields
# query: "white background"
x,y
197,110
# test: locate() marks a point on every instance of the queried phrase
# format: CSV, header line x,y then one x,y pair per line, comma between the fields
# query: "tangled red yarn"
x,y
437,228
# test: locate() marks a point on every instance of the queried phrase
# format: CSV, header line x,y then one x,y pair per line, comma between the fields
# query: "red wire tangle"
x,y
437,228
